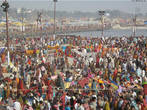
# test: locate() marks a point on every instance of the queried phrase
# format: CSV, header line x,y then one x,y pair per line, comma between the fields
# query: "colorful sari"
x,y
7,91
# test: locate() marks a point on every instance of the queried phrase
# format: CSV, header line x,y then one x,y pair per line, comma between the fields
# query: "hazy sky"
x,y
82,5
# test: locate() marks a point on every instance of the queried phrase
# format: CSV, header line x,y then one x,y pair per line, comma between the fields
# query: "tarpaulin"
x,y
67,85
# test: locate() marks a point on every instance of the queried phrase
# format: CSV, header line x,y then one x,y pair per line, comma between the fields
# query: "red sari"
x,y
114,75
66,52
145,89
49,92
16,41
74,43
97,62
21,87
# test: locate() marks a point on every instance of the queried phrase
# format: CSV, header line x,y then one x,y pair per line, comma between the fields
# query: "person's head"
x,y
41,102
51,101
93,92
109,86
68,104
9,67
67,94
105,99
36,95
79,102
128,105
27,73
28,104
121,97
14,73
93,99
93,80
132,108
100,84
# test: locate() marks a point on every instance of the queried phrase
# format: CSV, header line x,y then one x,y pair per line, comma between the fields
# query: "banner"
x,y
55,47
30,51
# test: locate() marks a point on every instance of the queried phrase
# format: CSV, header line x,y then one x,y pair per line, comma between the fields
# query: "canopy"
x,y
47,24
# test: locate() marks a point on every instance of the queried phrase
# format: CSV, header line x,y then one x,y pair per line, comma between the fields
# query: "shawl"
x,y
7,91
20,86
107,106
94,85
20,100
114,75
49,92
60,82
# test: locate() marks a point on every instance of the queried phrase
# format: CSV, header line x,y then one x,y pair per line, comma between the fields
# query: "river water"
x,y
110,32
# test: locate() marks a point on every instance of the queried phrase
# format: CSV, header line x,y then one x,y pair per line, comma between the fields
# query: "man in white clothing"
x,y
16,105
101,62
90,59
67,98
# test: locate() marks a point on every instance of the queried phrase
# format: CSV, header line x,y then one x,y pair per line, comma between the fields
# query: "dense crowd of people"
x,y
75,73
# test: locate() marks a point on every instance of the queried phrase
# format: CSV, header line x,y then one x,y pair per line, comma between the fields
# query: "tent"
x,y
93,54
145,22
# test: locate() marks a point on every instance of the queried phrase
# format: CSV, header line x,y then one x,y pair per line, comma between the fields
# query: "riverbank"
x,y
112,31
117,26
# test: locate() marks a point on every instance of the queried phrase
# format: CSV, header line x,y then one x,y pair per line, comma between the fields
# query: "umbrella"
x,y
113,82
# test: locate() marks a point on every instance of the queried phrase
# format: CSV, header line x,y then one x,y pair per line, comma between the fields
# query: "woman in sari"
x,y
97,62
16,40
7,89
115,75
3,58
90,73
49,91
94,86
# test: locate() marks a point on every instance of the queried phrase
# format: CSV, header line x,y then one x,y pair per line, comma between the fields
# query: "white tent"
x,y
93,54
